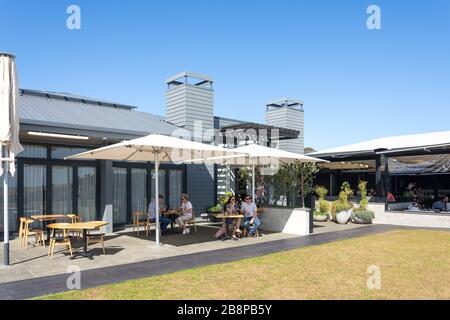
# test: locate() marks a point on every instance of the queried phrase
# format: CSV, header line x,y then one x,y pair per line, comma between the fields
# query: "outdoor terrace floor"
x,y
122,247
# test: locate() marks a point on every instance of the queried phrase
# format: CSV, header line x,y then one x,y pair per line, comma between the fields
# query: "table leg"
x,y
84,241
48,232
227,236
85,252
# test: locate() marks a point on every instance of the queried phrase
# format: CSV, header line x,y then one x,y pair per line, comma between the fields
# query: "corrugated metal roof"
x,y
59,110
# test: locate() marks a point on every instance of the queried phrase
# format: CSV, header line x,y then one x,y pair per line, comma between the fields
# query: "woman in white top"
x,y
188,210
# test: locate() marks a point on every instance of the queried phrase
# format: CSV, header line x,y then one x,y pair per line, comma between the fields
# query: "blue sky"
x,y
357,84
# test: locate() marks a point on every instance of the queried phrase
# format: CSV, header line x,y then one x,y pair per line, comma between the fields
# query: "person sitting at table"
x,y
441,205
187,211
250,211
390,197
415,206
231,208
163,221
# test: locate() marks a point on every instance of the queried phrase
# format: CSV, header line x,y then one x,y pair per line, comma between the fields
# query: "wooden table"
x,y
225,216
173,214
80,226
48,217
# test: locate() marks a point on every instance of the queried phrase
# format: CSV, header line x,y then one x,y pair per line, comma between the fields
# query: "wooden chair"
x,y
256,232
25,232
139,219
75,219
97,237
59,240
191,222
258,212
148,226
21,231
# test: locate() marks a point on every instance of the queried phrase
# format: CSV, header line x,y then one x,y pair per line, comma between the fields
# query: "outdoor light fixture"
x,y
56,135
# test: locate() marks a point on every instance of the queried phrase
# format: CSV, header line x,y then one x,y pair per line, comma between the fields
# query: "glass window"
x,y
120,196
138,190
34,189
62,152
161,184
62,188
176,187
33,151
12,197
87,193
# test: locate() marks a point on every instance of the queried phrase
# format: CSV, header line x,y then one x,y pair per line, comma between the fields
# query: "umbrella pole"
x,y
157,197
5,210
253,182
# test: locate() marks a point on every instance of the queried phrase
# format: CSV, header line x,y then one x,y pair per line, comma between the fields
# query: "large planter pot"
x,y
320,217
361,221
361,218
342,217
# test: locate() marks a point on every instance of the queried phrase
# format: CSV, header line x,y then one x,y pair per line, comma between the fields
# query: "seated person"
x,y
390,197
250,211
441,205
187,211
415,206
163,221
231,208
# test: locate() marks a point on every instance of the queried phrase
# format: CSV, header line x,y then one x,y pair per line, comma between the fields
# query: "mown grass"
x,y
413,265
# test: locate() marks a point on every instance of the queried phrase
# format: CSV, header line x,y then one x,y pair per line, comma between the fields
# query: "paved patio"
x,y
124,247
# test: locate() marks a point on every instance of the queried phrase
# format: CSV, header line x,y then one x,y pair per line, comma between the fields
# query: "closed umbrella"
x,y
9,135
157,148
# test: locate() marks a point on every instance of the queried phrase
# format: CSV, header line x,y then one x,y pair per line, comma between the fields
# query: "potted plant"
x,y
361,215
322,214
342,208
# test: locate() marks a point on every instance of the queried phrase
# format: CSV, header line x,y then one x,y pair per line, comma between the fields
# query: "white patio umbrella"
x,y
256,155
157,148
9,134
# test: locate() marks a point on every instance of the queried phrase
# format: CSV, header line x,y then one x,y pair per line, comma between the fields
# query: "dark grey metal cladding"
x,y
201,186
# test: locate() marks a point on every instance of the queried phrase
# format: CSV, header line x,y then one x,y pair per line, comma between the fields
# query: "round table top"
x,y
91,225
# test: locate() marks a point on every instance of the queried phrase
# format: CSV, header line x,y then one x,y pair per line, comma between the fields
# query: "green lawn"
x,y
413,264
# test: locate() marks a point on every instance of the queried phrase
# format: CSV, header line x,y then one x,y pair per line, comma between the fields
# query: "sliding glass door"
x,y
87,193
12,197
138,190
34,189
161,184
120,203
176,187
62,189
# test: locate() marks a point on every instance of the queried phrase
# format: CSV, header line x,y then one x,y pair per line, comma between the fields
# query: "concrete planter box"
x,y
286,220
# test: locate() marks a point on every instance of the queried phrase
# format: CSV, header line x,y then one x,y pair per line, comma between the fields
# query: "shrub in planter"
x,y
216,209
322,214
363,216
341,209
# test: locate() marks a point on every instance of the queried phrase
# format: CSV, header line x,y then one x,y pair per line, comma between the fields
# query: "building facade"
x,y
57,125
